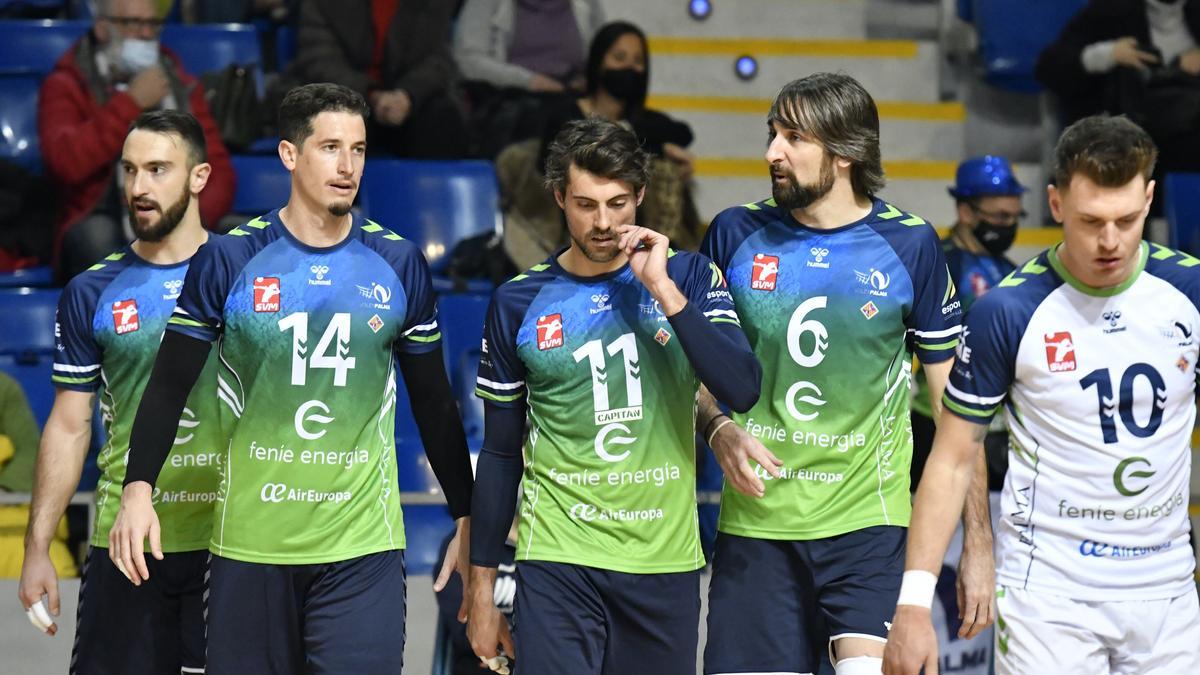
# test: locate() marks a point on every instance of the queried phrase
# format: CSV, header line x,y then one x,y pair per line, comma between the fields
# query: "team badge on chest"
x,y
1060,352
267,294
765,272
549,331
125,316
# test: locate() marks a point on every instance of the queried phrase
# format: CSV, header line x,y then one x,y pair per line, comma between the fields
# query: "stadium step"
x,y
792,19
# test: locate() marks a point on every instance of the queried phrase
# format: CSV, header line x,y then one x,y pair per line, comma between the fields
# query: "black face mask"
x,y
996,239
626,85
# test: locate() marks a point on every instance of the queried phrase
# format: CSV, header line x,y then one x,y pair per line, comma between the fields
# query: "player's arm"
x,y
948,475
60,459
493,505
178,365
439,424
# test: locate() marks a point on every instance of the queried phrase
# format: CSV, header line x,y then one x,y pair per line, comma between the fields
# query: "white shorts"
x,y
1042,633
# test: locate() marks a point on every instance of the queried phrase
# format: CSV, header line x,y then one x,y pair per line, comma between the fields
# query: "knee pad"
x,y
859,665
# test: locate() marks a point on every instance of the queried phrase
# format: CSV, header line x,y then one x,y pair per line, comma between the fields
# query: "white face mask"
x,y
138,55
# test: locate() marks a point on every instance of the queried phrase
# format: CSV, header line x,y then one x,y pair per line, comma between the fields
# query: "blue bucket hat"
x,y
986,176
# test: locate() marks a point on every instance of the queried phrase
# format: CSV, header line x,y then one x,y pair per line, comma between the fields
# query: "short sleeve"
x,y
200,309
715,245
76,353
421,333
985,367
501,377
706,289
936,310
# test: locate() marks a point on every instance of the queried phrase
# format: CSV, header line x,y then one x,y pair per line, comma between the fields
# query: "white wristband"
x,y
917,589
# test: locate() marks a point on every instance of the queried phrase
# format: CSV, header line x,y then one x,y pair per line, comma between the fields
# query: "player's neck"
x,y
840,206
575,262
314,225
178,246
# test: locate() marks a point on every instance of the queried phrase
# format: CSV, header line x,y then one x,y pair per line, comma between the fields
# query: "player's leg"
x,y
757,609
558,620
1045,634
254,617
188,577
857,576
354,616
653,623
1161,637
122,628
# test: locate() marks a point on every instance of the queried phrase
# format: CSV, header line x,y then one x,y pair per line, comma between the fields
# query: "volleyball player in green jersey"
x,y
836,289
109,324
604,345
312,308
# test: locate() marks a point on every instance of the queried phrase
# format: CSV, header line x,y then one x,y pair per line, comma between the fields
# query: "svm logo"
x,y
549,331
1060,352
1127,469
765,272
125,316
267,294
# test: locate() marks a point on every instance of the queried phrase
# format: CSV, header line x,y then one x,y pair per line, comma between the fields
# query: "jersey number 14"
x,y
337,331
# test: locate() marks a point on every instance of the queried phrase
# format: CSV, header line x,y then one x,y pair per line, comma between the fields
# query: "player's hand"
x,y
647,251
149,87
1189,62
976,591
458,559
38,578
136,521
1126,53
735,450
487,629
911,643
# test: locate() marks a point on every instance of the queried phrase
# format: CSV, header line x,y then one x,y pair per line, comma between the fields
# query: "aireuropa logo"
x,y
584,512
274,493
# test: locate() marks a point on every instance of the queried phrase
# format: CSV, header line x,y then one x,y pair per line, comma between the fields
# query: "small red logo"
x,y
1060,352
765,271
266,294
869,310
662,337
979,285
125,316
550,331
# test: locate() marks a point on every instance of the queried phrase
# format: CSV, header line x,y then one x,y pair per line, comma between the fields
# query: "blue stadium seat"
x,y
285,47
461,317
1180,191
425,526
33,47
1013,32
30,276
262,184
18,120
436,204
28,320
209,47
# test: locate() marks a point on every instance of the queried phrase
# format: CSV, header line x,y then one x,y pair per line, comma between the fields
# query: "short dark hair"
x,y
1110,151
600,147
839,114
185,125
304,103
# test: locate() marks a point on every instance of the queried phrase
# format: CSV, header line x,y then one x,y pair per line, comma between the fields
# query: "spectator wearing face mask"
x,y
103,82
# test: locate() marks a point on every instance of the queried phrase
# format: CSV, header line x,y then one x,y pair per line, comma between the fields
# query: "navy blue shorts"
x,y
342,617
577,620
774,606
155,628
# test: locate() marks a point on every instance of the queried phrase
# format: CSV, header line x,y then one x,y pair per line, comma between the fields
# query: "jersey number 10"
x,y
1124,406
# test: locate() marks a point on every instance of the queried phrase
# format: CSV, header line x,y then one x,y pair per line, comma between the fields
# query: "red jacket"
x,y
81,142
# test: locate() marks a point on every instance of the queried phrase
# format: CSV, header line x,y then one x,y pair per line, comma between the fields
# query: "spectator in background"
x,y
1134,57
617,76
103,82
395,54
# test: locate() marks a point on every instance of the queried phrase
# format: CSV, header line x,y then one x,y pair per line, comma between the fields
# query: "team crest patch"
x,y
1183,364
765,272
267,294
549,331
1060,352
125,316
662,337
869,310
375,323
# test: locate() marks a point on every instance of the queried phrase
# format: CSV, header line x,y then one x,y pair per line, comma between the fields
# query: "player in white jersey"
x,y
1091,349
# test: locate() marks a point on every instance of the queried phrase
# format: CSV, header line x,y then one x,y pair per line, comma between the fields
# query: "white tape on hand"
x,y
498,664
39,617
917,588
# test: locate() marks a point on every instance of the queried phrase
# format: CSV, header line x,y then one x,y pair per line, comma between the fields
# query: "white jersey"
x,y
1098,390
